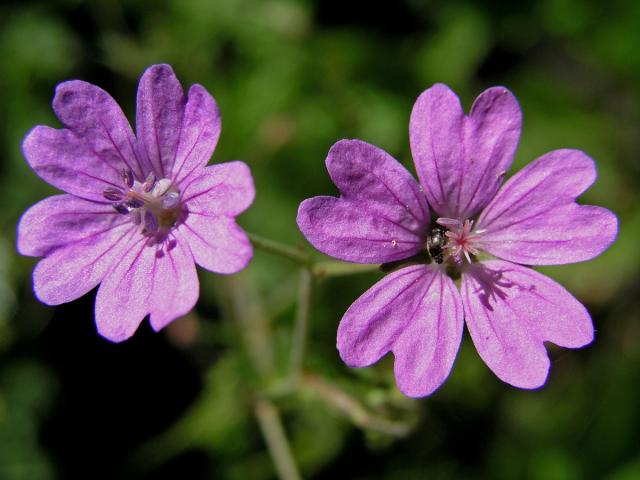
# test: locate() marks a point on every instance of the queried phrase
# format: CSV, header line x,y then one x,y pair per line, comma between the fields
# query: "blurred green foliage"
x,y
292,77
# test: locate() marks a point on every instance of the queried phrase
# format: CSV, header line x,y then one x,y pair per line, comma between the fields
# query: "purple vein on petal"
x,y
117,149
203,192
442,200
184,161
512,206
112,246
461,176
395,197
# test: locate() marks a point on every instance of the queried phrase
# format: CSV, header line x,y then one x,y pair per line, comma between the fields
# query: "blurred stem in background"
x,y
276,439
299,336
254,323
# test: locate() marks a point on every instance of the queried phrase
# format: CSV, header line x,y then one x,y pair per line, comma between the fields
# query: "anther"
x,y
149,183
121,208
127,177
113,194
134,203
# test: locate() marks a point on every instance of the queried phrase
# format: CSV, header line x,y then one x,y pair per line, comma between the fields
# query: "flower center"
x,y
153,204
453,240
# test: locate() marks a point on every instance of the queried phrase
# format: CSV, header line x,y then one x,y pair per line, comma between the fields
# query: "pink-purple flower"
x,y
459,224
139,210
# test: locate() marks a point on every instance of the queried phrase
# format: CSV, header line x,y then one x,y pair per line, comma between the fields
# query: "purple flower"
x,y
477,233
138,210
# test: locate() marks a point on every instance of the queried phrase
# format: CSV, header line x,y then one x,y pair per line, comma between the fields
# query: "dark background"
x,y
291,78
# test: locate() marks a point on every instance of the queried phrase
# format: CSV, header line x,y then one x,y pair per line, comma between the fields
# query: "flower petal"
x,y
535,220
381,215
176,287
96,119
217,242
461,160
511,311
159,117
415,312
160,281
199,135
65,161
223,189
58,221
69,272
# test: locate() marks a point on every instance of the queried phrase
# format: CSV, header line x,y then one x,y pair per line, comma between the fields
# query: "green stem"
x,y
299,338
337,269
281,249
274,435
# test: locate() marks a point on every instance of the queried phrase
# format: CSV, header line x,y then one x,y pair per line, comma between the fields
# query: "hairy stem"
x,y
271,426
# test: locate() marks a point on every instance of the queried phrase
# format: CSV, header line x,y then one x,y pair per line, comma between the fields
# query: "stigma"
x,y
463,241
152,204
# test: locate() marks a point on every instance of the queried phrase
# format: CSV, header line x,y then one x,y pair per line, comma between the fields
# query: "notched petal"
x,y
199,134
414,312
223,189
61,220
461,160
217,242
535,220
160,108
65,161
69,272
381,215
95,118
158,279
511,311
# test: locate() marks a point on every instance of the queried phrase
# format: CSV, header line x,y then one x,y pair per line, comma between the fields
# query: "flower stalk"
x,y
273,432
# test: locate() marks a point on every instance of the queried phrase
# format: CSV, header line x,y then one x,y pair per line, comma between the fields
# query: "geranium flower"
x,y
476,232
138,210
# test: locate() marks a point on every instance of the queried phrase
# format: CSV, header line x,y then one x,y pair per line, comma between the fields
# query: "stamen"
x,y
113,194
149,183
121,208
462,240
134,203
127,177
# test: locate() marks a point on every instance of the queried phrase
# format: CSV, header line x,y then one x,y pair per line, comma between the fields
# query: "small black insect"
x,y
436,243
